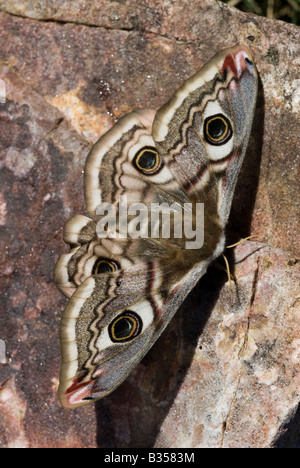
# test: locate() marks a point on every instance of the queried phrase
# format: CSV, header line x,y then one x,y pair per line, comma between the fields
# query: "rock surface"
x,y
226,371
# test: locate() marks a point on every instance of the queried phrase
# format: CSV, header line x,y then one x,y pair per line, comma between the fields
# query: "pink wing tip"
x,y
238,61
79,393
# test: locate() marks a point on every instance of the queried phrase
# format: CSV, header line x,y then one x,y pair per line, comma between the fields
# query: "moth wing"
x,y
90,255
202,132
125,162
110,323
119,165
72,268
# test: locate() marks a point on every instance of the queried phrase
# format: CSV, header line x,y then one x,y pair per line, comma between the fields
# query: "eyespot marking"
x,y
147,161
125,327
217,129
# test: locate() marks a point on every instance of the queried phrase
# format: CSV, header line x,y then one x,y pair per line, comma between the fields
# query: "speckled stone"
x,y
226,371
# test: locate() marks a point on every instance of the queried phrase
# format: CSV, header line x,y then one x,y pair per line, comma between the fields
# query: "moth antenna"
x,y
240,241
229,275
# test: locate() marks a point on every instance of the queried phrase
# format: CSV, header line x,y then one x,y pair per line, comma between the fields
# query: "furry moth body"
x,y
123,292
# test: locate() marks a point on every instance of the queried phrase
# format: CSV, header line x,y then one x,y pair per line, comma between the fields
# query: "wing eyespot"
x,y
104,265
217,129
125,327
147,161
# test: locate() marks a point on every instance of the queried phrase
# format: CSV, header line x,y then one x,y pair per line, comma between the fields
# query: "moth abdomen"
x,y
148,161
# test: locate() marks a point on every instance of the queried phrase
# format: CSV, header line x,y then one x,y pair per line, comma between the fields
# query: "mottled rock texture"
x,y
226,371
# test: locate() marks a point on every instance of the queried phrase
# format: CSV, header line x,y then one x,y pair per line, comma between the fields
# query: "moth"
x,y
125,290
